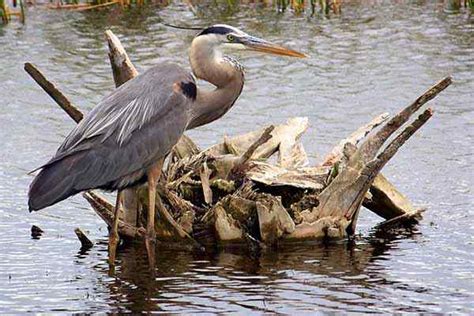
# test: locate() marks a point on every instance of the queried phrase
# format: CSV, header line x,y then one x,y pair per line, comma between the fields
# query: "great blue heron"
x,y
123,141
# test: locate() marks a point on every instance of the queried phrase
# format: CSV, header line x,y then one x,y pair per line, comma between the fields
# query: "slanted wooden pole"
x,y
51,89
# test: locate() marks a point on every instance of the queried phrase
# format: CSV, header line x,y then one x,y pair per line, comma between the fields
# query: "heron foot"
x,y
113,243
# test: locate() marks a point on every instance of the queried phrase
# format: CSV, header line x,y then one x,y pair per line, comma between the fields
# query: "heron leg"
x,y
154,174
113,234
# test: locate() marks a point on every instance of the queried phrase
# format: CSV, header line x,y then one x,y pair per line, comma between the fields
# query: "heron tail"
x,y
54,183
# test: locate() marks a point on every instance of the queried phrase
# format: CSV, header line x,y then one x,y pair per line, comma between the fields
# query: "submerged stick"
x,y
85,242
54,92
36,232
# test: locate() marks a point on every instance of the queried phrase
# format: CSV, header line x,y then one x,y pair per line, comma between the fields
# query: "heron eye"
x,y
230,38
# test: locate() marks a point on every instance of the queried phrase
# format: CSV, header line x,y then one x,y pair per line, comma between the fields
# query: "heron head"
x,y
229,36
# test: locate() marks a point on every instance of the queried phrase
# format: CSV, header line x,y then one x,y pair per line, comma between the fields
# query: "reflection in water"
x,y
369,60
335,276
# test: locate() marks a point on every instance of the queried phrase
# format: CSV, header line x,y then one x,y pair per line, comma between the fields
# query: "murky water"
x,y
372,59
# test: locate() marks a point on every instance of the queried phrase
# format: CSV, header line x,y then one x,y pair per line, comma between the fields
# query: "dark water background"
x,y
373,58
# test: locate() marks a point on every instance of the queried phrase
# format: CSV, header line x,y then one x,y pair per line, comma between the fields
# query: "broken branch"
x,y
370,148
54,92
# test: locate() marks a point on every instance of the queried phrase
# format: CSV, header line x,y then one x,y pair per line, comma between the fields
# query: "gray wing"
x,y
144,99
127,131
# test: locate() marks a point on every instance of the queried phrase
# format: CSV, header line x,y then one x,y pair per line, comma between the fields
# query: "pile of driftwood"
x,y
259,187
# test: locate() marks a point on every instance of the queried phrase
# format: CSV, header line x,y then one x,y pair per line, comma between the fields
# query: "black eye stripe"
x,y
216,30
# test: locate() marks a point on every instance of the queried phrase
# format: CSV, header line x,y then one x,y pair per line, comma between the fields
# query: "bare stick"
x,y
370,147
396,143
337,152
54,93
265,137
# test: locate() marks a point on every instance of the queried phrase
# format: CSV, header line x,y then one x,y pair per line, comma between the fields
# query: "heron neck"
x,y
225,74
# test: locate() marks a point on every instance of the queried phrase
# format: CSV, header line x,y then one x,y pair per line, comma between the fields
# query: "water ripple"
x,y
370,60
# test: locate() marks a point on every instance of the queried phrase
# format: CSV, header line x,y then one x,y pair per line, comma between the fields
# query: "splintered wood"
x,y
259,187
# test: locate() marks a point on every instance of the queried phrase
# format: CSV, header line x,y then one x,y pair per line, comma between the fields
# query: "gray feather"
x,y
119,139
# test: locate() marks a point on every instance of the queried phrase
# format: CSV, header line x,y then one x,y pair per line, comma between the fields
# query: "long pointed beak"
x,y
260,45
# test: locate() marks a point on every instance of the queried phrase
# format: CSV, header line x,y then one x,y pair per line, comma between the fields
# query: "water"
x,y
373,58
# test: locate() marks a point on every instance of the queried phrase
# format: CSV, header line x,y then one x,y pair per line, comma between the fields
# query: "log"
x,y
228,230
344,195
291,153
304,178
329,227
371,170
273,219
